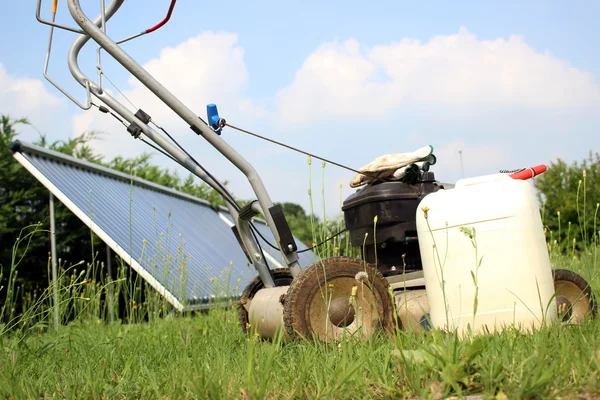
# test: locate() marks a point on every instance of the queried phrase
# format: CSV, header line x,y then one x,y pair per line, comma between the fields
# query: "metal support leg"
x,y
110,305
54,261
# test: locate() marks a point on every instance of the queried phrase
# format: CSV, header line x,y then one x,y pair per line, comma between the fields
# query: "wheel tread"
x,y
294,294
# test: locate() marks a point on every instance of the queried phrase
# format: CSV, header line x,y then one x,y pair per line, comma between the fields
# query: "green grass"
x,y
207,356
157,354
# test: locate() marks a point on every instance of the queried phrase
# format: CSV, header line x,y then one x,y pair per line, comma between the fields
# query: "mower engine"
x,y
391,242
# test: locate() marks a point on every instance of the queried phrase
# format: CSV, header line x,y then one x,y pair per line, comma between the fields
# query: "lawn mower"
x,y
472,256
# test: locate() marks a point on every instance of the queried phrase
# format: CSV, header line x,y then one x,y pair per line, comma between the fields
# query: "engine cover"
x,y
395,237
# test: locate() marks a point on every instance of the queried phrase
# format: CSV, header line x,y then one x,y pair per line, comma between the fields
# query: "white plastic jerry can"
x,y
485,259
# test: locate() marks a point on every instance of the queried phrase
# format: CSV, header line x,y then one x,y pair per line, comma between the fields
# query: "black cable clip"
x,y
134,129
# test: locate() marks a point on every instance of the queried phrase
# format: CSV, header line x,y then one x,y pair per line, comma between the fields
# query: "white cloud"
x,y
207,68
349,80
28,98
24,95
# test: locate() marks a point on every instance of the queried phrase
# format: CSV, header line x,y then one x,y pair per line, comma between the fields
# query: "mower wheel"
x,y
337,297
281,276
574,297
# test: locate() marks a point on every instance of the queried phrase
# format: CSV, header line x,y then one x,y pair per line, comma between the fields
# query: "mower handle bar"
x,y
123,111
94,31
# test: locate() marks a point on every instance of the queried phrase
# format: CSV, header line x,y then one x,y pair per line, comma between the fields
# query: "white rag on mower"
x,y
395,167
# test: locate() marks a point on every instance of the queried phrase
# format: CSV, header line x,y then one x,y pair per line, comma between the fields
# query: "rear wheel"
x,y
574,298
338,297
281,276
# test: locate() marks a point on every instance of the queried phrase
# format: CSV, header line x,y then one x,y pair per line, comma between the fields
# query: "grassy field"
x,y
206,356
156,354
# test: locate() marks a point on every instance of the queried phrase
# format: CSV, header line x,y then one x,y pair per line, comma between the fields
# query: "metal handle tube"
x,y
170,148
187,115
82,40
73,63
38,16
244,228
85,106
247,240
153,28
99,53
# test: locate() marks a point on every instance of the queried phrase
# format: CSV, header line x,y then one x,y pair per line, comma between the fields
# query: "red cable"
x,y
164,21
529,172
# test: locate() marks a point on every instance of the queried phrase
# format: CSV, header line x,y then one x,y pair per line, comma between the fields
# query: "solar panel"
x,y
179,244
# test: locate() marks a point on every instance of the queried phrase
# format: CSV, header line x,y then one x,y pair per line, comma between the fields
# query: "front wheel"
x,y
337,297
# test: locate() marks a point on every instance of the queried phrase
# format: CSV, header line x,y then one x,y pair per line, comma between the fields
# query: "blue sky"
x,y
509,83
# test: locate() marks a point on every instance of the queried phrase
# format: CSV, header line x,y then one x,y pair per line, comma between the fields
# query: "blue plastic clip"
x,y
213,118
